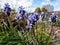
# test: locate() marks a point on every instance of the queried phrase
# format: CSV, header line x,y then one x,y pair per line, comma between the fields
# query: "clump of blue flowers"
x,y
32,19
7,9
21,13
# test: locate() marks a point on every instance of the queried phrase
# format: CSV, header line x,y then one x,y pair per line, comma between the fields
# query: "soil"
x,y
56,32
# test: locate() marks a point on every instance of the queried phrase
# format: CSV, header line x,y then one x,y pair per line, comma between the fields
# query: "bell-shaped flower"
x,y
18,16
27,27
25,15
20,8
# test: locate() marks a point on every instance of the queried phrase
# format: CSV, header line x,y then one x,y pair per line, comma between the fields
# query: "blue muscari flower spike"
x,y
7,9
42,14
33,18
21,11
30,18
36,16
53,18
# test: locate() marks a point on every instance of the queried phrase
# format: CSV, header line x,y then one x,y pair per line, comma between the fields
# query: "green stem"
x,y
49,35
